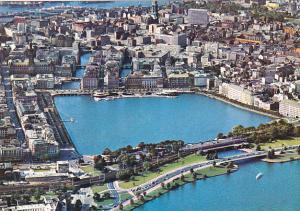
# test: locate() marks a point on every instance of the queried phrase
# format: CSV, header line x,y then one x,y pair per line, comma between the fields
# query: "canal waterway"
x,y
122,122
84,59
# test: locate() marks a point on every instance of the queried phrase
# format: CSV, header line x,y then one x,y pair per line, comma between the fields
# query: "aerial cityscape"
x,y
149,105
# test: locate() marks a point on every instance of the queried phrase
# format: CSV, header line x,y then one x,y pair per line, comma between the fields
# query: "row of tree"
x,y
266,132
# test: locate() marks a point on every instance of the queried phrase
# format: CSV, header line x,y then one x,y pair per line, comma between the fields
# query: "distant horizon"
x,y
67,0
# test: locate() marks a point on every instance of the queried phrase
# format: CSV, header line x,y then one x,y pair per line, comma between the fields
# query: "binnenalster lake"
x,y
121,122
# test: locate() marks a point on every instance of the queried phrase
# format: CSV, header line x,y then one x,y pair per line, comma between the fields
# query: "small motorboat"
x,y
259,176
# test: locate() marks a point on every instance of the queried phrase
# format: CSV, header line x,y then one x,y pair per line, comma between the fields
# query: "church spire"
x,y
155,10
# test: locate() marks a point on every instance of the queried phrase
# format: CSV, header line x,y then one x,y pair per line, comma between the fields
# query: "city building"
x,y
198,17
289,108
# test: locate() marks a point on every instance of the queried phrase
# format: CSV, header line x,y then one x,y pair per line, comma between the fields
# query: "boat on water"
x,y
259,176
100,95
127,93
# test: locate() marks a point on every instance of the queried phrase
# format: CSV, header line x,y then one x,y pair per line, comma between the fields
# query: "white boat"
x,y
259,175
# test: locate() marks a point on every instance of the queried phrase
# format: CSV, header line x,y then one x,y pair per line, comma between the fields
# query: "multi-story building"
x,y
180,80
7,129
173,39
112,79
237,93
90,80
198,16
289,108
147,82
45,81
10,153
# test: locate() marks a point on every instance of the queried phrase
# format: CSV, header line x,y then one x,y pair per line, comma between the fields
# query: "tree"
x,y
97,197
93,208
271,154
121,206
194,175
106,151
142,198
100,163
162,185
78,205
220,136
168,185
106,195
146,165
237,130
131,202
37,195
274,132
191,170
141,145
258,148
182,177
124,174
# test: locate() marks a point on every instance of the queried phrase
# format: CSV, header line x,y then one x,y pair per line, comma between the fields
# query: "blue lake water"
x,y
122,122
229,153
278,189
104,5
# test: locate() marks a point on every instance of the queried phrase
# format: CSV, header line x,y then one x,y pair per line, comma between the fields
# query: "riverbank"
x,y
237,104
283,158
174,183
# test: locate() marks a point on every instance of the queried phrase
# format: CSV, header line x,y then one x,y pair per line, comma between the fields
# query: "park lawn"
x,y
278,143
99,188
147,176
212,171
106,202
125,196
91,170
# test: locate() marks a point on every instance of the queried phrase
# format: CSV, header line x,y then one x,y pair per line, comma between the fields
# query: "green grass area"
x,y
286,157
147,176
106,202
279,143
210,172
125,196
91,170
99,188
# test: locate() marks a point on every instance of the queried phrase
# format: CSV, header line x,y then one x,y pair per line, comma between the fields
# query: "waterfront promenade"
x,y
68,92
